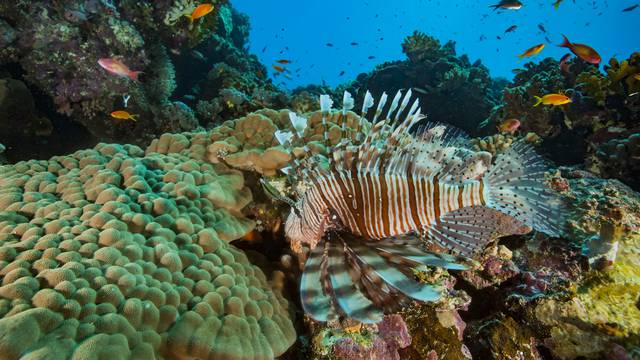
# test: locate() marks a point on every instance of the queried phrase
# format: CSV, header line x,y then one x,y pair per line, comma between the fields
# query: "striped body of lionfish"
x,y
369,209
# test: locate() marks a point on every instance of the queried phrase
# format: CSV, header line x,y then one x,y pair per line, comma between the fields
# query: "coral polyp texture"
x,y
249,143
109,252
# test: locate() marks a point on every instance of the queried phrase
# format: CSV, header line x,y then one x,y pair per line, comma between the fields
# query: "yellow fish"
x,y
200,11
637,77
123,115
552,99
535,50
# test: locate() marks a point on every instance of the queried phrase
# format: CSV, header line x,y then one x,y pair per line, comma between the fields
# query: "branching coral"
x,y
420,46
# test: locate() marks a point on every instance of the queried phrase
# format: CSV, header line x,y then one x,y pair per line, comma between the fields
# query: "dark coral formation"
x,y
463,91
620,158
54,50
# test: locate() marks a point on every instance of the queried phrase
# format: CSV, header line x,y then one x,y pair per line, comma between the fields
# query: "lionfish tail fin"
x,y
363,279
516,186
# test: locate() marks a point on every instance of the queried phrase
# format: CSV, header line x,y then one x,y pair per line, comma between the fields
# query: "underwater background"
x,y
377,27
156,158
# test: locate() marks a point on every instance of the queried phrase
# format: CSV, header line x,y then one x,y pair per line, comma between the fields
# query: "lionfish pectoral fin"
x,y
469,229
408,251
516,186
351,300
314,300
394,277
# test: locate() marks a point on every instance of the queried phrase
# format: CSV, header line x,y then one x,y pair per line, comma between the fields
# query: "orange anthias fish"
x,y
509,126
535,50
283,61
116,67
278,68
552,99
124,115
584,52
200,11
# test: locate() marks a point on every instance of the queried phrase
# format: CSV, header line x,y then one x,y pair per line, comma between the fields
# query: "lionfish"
x,y
368,210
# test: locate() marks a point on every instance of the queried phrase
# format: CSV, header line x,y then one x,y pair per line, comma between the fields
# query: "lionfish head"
x,y
300,233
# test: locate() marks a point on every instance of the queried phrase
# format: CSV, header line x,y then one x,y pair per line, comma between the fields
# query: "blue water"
x,y
299,31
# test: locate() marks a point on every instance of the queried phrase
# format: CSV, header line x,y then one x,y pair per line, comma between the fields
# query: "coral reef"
x,y
123,254
381,341
620,158
249,143
601,310
55,51
18,116
463,91
604,111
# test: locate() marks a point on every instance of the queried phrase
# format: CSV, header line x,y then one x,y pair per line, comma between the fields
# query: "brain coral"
x,y
112,253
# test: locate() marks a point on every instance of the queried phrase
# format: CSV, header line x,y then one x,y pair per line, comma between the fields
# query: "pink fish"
x,y
116,67
509,126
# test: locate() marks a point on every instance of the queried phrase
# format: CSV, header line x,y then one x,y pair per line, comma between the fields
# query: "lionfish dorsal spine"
x,y
381,103
394,105
403,105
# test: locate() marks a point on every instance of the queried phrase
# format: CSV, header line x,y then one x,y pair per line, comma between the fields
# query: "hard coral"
x,y
249,143
463,90
420,46
602,308
109,251
620,158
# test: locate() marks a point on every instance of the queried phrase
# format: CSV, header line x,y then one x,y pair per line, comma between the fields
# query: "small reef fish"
x,y
556,4
277,68
200,11
507,5
371,57
354,44
365,247
509,126
283,61
637,77
534,50
117,67
511,28
552,99
584,52
542,28
564,66
631,8
124,115
329,45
